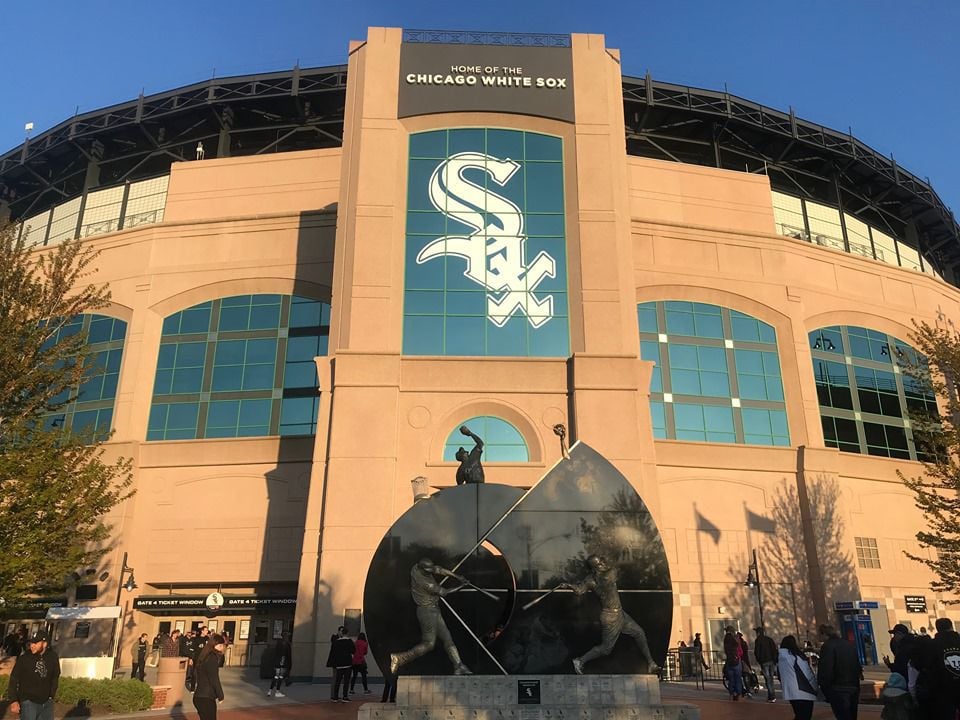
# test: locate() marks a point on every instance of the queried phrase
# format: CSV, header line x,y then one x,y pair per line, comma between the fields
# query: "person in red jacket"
x,y
360,664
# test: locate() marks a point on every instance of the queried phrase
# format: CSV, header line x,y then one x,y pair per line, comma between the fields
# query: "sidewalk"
x,y
246,699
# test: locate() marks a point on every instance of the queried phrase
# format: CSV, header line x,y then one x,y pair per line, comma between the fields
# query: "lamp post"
x,y
753,581
130,585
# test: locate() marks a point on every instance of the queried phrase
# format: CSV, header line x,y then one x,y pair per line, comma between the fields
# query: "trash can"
x,y
172,671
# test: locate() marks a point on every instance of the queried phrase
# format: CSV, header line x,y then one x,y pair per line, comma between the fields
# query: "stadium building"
x,y
319,275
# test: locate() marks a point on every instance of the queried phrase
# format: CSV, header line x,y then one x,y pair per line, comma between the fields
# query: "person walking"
x,y
765,650
138,656
209,691
747,673
360,664
282,662
34,680
341,660
732,666
698,650
839,674
796,678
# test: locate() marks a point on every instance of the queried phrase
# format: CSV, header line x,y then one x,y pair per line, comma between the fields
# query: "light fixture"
x,y
421,490
130,585
753,581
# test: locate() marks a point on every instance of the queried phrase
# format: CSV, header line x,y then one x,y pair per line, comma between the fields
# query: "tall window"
x,y
717,374
95,397
486,258
865,398
868,556
238,367
502,442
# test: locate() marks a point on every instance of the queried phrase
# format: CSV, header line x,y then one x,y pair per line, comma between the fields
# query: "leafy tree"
x,y
55,487
938,446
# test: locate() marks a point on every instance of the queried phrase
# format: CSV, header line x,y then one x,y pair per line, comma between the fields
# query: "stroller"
x,y
751,683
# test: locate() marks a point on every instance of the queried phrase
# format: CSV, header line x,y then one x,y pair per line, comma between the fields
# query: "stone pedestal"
x,y
528,697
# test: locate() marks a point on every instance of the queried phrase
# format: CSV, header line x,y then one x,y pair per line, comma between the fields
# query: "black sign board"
x,y
916,603
528,692
197,604
440,78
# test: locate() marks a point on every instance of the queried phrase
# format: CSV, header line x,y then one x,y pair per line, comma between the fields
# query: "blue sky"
x,y
886,68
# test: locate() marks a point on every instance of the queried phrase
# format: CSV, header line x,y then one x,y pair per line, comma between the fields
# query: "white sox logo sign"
x,y
496,251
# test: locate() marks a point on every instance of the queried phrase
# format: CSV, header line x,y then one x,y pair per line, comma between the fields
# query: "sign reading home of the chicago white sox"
x,y
441,78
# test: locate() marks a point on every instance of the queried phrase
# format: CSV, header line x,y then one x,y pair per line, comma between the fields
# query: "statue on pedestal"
x,y
602,580
426,592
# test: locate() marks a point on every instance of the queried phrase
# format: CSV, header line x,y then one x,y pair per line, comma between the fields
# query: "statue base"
x,y
528,697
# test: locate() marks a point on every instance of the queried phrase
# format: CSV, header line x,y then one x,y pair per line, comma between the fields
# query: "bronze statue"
x,y
613,620
426,592
470,470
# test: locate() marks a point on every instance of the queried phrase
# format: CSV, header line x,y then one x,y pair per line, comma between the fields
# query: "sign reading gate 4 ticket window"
x,y
486,258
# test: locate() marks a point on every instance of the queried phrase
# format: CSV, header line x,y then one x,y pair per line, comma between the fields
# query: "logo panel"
x,y
486,245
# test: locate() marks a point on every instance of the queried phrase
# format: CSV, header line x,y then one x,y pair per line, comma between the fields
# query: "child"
x,y
897,702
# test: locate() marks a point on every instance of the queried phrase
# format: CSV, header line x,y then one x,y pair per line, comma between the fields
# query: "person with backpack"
x,y
797,678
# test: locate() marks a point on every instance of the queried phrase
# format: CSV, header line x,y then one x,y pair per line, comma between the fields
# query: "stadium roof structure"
x,y
303,108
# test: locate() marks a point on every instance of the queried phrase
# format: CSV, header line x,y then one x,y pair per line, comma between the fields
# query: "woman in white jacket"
x,y
797,678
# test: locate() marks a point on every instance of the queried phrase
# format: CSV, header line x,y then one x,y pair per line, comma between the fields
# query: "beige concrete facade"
x,y
303,516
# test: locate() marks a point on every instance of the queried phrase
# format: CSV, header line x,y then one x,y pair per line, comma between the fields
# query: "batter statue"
x,y
426,592
613,620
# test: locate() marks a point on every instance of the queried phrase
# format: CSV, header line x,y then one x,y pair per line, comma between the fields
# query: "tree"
x,y
55,487
938,446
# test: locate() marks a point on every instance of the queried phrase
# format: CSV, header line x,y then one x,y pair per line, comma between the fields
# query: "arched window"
x,y
239,366
865,399
502,442
717,375
92,408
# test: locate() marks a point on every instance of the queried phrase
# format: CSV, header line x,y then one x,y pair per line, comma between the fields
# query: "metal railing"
x,y
687,665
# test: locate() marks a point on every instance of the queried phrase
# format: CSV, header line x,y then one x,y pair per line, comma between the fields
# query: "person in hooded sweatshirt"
x,y
941,668
896,699
34,680
797,678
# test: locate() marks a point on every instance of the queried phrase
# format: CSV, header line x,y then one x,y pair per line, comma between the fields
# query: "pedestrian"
x,y
896,699
341,660
750,681
765,650
902,644
138,655
282,662
34,680
732,666
209,691
360,664
796,678
940,670
839,674
170,645
698,650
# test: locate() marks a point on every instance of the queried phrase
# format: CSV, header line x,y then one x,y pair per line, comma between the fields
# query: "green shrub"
x,y
116,695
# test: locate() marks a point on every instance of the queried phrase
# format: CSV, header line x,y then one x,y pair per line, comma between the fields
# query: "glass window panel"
x,y
261,351
302,348
708,326
688,417
255,413
647,316
182,416
265,317
304,313
685,382
683,356
297,411
187,380
300,375
227,378
196,319
752,387
190,354
712,358
718,419
551,340
679,323
714,384
258,377
167,356
542,147
229,352
234,318
422,335
749,361
223,413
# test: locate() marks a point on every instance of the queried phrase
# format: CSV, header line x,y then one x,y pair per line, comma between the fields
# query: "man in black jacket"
x,y
940,670
34,680
341,659
839,674
765,650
